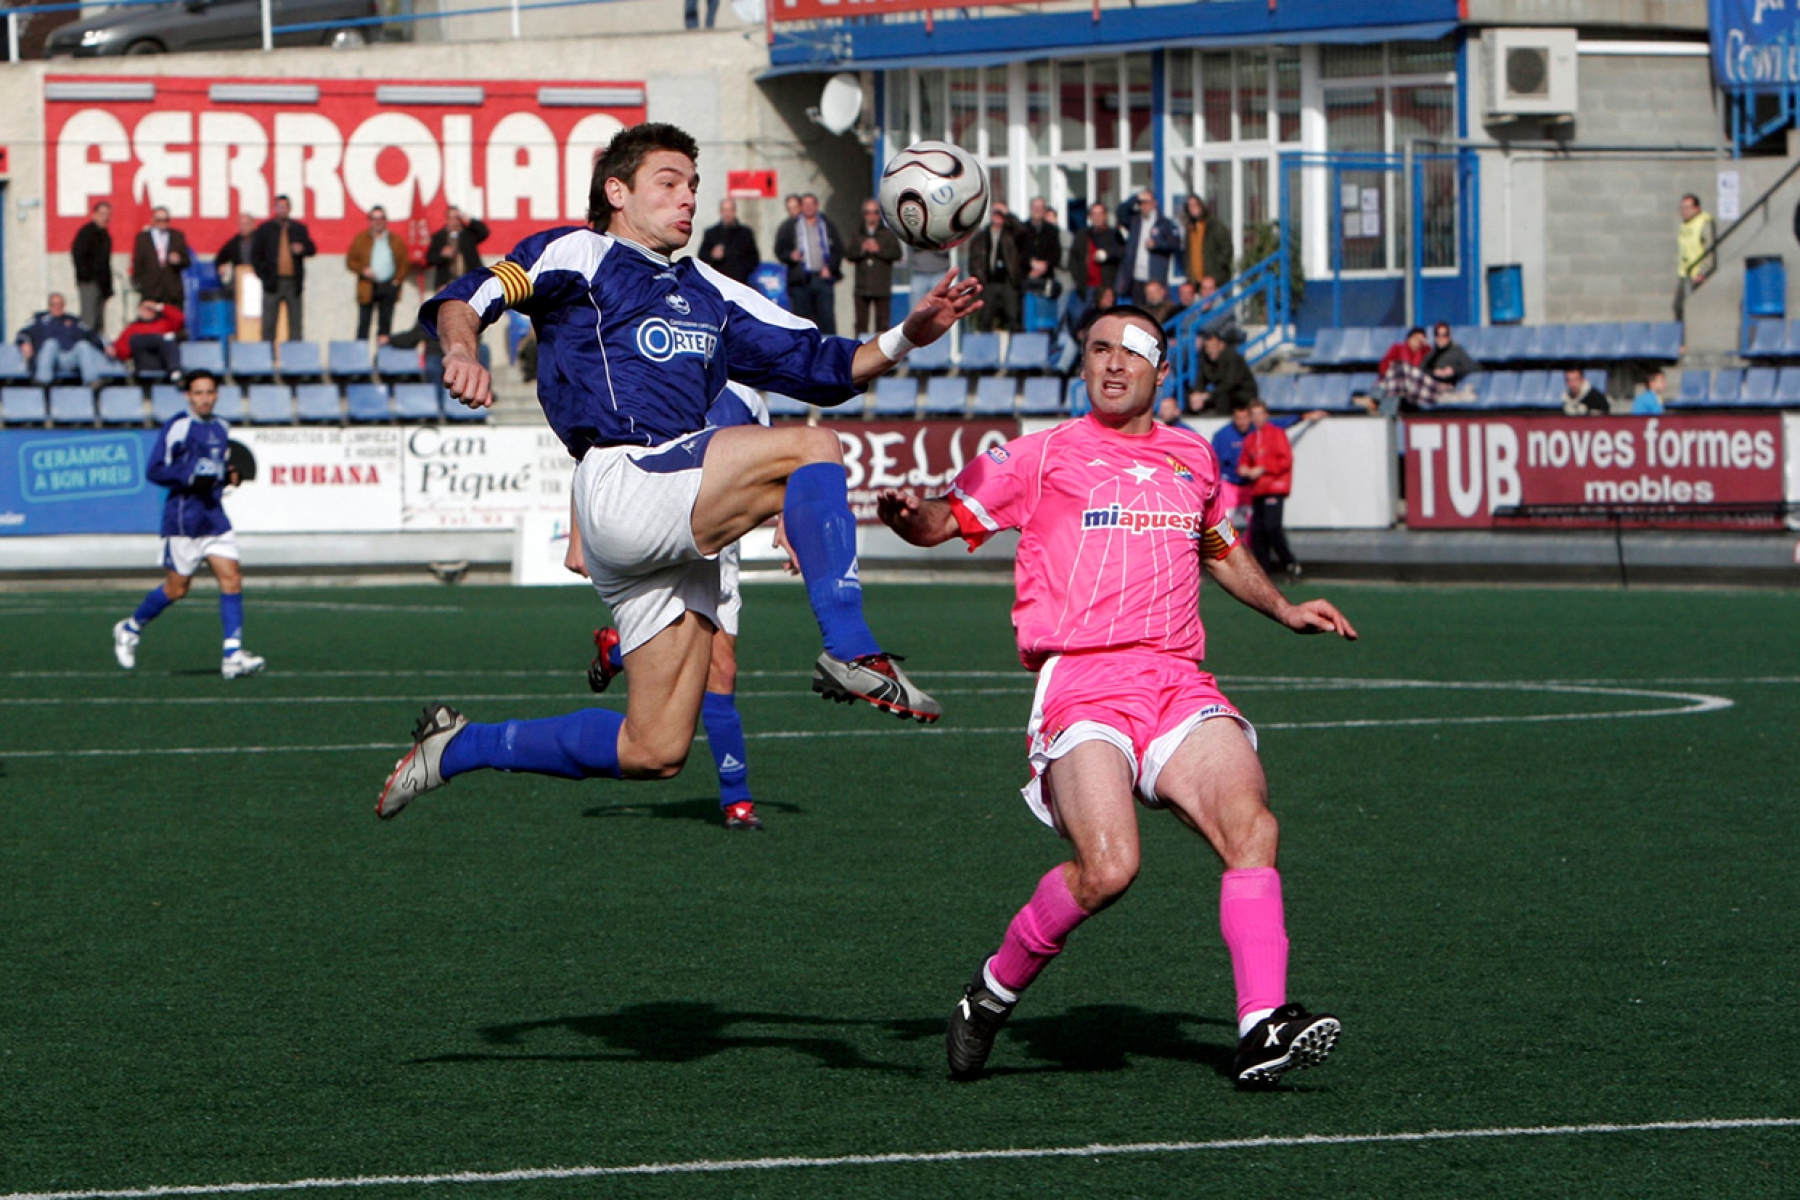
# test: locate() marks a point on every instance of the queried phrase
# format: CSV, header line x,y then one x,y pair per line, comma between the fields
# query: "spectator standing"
x,y
92,254
814,254
56,342
1649,401
874,250
728,247
1041,241
376,257
1151,243
158,257
997,259
1580,397
1693,249
149,343
1207,241
278,252
691,13
236,252
1092,257
1225,382
1267,462
454,249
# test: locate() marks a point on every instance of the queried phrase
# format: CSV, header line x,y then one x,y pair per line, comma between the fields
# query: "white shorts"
x,y
184,555
731,601
635,508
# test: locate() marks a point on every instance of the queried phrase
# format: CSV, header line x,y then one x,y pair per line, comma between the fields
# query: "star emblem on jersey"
x,y
1140,472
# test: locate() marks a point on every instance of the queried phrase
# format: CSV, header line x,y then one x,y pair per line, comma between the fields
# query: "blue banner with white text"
x,y
1755,44
63,481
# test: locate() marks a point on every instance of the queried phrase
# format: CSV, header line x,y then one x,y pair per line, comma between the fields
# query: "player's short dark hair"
x,y
191,377
1126,310
625,155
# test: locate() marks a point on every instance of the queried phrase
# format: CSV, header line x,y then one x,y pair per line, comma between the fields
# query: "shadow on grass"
x,y
704,809
1095,1038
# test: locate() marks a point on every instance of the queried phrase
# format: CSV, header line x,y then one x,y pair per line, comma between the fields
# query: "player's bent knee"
x,y
1250,840
1101,882
818,444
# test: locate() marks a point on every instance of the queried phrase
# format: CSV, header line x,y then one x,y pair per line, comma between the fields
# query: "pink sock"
x,y
1037,933
1256,934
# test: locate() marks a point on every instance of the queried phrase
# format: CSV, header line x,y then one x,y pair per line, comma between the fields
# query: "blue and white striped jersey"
x,y
633,348
190,459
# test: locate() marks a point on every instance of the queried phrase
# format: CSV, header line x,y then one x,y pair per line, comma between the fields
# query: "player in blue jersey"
x,y
633,348
191,458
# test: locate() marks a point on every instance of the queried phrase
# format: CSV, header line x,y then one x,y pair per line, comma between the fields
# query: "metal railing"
x,y
1258,300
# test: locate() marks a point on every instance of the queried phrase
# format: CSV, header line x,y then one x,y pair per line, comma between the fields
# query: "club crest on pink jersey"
x,y
1180,468
998,453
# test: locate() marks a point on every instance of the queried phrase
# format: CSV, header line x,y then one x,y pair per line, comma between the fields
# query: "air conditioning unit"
x,y
1530,73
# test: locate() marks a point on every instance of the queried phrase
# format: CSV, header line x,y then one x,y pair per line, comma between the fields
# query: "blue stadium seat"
x,y
1787,387
1473,391
1727,385
785,406
896,396
231,403
1759,386
1358,347
318,402
1510,343
203,356
1696,387
457,411
122,404
368,402
111,370
1792,345
1277,390
1332,393
1545,343
1472,338
23,405
994,395
417,402
946,395
1666,341
1310,393
1639,341
1502,390
395,365
72,405
1597,376
250,362
1076,398
13,367
1043,396
1028,352
349,361
933,357
980,352
1362,383
1537,389
166,400
1328,343
271,403
1768,338
300,361
1609,341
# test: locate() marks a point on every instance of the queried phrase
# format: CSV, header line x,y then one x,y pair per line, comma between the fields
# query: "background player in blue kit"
x,y
191,459
634,347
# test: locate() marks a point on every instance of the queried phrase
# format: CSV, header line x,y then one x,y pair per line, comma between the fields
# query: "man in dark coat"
x,y
1225,380
158,257
1150,241
730,246
814,254
278,253
452,252
997,259
874,249
1041,241
92,252
236,252
1093,255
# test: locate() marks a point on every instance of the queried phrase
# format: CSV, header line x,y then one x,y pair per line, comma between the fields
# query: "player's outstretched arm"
x,y
949,301
921,522
1239,574
459,329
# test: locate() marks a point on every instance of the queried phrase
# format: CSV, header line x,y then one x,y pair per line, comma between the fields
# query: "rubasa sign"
x,y
516,154
1459,471
924,455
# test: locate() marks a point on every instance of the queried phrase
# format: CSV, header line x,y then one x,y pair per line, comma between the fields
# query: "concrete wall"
x,y
704,81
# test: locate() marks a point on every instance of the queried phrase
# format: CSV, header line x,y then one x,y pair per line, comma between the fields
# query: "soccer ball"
x,y
934,195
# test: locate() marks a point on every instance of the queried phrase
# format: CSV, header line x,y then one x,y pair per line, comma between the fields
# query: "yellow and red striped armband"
x,y
515,284
1217,542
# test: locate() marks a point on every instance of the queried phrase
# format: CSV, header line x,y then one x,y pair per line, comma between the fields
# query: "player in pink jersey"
x,y
1117,514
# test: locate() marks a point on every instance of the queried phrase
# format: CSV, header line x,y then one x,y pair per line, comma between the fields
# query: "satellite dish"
x,y
840,104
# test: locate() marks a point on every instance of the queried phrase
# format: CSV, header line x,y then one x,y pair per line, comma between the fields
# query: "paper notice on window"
x,y
1371,200
1349,197
1371,224
1352,225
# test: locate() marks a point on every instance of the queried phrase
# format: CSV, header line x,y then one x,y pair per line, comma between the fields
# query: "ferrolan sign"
x,y
518,155
1755,43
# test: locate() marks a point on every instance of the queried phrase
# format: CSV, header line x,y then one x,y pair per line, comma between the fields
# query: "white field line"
x,y
1239,682
1097,1150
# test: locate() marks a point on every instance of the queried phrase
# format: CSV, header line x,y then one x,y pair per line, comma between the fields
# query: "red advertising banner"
x,y
925,455
516,154
1460,470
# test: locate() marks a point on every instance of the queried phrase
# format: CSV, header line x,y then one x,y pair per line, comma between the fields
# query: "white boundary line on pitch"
x,y
1097,1150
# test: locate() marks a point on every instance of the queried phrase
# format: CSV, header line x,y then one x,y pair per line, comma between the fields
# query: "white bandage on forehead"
x,y
1142,343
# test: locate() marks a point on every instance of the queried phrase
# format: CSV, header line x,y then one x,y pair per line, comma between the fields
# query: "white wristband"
x,y
893,343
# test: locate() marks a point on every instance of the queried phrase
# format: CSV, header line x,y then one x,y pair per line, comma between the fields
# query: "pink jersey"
x,y
1112,530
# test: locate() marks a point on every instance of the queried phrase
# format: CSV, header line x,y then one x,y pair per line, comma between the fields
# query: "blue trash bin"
x,y
1506,294
1765,286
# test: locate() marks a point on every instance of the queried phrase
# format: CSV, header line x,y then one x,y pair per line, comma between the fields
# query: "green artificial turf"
x,y
220,967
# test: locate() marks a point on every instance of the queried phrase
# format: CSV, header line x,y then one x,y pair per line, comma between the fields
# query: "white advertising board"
x,y
318,480
487,477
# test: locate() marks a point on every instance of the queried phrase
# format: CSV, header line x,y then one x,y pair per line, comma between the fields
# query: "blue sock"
x,y
149,609
231,616
725,736
580,745
823,535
